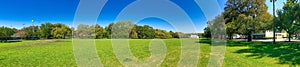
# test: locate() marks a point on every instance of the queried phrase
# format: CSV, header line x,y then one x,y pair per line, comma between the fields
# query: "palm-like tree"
x,y
274,25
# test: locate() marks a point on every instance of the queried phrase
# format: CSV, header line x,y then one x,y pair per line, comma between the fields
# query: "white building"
x,y
279,35
194,36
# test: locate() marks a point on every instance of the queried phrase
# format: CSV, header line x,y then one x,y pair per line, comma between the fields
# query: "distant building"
x,y
278,35
194,36
266,34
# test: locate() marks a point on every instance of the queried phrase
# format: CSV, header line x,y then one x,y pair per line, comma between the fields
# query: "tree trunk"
x,y
289,37
230,37
249,37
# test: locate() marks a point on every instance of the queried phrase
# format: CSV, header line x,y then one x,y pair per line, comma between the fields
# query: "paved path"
x,y
269,40
277,40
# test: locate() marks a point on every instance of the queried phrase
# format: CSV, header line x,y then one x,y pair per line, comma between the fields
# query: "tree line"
x,y
120,29
247,17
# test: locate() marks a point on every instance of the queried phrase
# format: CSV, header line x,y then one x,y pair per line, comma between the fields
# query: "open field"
x,y
60,53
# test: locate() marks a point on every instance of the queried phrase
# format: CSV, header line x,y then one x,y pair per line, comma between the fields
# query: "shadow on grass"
x,y
285,52
231,43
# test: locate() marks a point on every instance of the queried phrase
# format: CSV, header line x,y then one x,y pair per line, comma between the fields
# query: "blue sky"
x,y
15,13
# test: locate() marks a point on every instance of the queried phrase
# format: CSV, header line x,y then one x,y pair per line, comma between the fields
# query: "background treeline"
x,y
44,31
120,29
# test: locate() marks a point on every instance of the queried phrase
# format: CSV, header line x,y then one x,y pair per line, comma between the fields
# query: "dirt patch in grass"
x,y
49,42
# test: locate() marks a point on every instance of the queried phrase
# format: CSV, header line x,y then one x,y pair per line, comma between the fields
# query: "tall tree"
x,y
6,32
45,30
145,32
32,31
108,30
289,17
163,34
122,29
84,31
99,32
207,33
216,27
249,10
61,31
174,34
133,33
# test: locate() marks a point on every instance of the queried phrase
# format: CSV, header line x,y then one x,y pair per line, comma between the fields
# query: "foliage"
x,y
289,17
122,29
217,27
61,31
162,34
84,31
108,30
6,32
207,33
133,33
45,30
175,34
99,32
247,15
32,31
145,32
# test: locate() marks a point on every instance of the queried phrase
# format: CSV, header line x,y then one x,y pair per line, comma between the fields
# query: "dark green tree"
x,y
289,17
145,32
207,33
32,31
108,30
246,13
99,32
61,31
45,30
6,32
122,29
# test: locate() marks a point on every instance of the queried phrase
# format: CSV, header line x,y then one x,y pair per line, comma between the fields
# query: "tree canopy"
x,y
289,17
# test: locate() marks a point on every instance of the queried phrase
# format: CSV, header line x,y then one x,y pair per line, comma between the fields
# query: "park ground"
x,y
238,53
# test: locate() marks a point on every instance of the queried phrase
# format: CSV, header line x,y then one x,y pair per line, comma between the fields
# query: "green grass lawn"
x,y
60,53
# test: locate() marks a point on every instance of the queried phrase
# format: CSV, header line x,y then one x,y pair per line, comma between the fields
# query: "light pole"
x,y
274,23
32,29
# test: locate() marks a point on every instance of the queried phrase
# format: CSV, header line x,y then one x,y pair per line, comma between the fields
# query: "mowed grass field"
x,y
44,53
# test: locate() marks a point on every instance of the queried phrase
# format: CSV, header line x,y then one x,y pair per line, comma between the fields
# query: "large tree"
x,y
6,32
61,31
32,31
145,32
174,34
163,34
122,29
133,33
45,30
108,30
99,32
207,33
246,13
289,17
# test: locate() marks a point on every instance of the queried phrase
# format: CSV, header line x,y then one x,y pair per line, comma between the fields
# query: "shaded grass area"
x,y
60,53
280,53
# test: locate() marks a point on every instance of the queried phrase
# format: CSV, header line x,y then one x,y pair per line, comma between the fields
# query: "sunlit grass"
x,y
60,53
